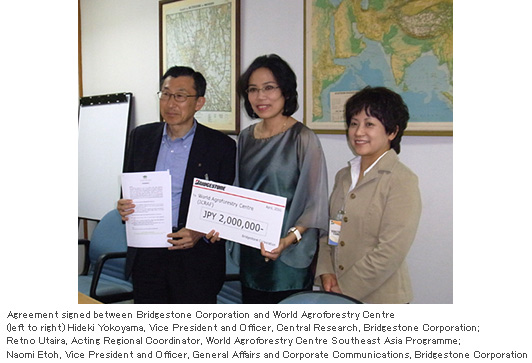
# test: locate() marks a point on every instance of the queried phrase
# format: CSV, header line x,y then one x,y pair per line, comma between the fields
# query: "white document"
x,y
151,222
337,102
240,215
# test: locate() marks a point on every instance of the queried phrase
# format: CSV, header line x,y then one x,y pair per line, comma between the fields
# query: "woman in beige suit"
x,y
375,206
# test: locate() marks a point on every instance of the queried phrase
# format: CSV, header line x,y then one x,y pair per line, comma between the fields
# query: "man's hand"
x,y
125,208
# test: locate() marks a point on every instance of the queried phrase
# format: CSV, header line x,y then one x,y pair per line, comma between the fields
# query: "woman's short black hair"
x,y
284,76
200,84
383,104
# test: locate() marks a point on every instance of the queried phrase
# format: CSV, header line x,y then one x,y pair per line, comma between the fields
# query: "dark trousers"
x,y
161,276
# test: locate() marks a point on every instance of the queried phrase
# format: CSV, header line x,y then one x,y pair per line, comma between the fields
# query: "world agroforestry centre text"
x,y
300,316
281,332
294,314
230,340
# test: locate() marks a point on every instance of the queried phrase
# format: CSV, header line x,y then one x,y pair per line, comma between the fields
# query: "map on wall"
x,y
406,46
201,34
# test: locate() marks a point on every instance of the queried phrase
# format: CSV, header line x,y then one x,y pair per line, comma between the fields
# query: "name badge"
x,y
334,232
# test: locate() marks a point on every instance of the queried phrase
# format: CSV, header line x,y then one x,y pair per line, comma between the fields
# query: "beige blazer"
x,y
379,225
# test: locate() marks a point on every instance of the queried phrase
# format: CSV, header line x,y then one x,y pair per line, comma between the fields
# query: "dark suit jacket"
x,y
212,153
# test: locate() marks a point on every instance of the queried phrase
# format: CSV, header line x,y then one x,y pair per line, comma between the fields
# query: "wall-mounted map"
x,y
406,46
203,34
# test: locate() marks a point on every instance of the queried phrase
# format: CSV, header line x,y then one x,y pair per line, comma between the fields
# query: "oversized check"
x,y
240,215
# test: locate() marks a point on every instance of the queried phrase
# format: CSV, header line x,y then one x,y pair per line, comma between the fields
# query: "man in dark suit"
x,y
192,270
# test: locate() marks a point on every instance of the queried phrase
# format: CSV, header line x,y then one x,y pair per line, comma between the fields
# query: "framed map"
x,y
405,45
205,35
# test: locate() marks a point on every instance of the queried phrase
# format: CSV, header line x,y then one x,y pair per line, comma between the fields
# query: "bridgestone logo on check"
x,y
207,184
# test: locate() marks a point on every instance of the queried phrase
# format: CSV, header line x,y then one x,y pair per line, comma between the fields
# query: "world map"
x,y
406,46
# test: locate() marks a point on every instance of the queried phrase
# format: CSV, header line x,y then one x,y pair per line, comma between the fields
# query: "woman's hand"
x,y
125,208
330,283
276,252
213,236
283,244
187,238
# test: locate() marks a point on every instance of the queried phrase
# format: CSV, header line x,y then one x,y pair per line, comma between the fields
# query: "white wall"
x,y
120,53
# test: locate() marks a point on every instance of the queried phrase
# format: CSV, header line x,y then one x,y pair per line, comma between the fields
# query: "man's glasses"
x,y
267,90
179,97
